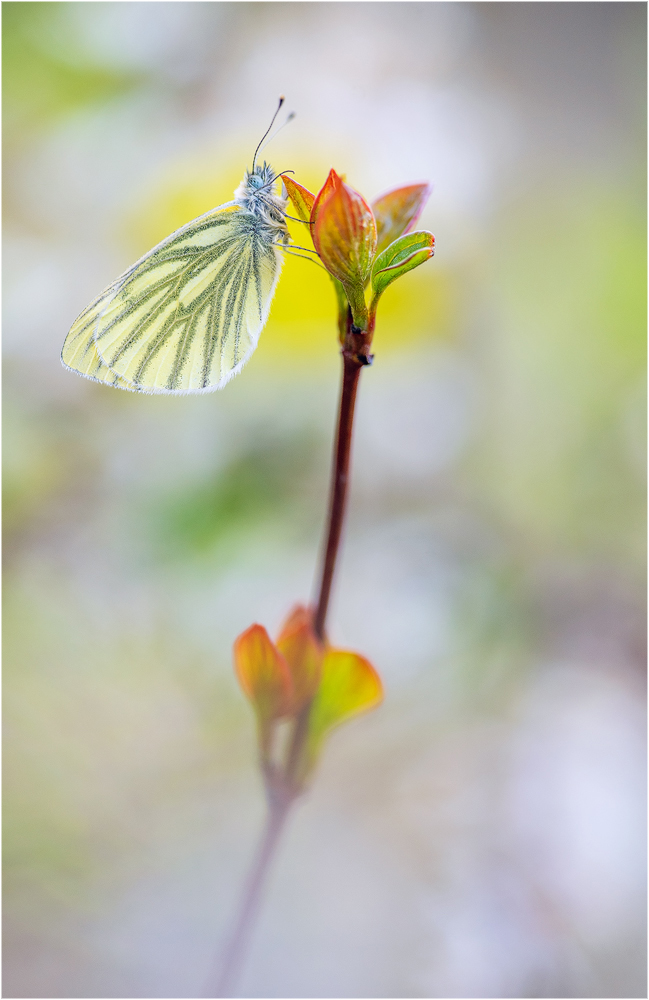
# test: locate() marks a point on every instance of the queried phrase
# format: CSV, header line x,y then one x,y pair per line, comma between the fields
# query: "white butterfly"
x,y
187,316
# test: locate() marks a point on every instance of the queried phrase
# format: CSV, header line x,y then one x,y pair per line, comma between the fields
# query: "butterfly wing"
x,y
187,316
79,352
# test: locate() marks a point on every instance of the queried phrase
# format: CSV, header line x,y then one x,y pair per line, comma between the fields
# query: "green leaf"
x,y
401,256
349,685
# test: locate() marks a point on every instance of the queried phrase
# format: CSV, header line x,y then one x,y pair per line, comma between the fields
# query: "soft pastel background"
x,y
483,833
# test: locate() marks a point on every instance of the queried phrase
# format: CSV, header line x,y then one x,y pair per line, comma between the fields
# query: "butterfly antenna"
x,y
278,130
254,159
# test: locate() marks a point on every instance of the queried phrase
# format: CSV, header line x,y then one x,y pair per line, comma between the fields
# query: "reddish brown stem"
x,y
340,477
352,364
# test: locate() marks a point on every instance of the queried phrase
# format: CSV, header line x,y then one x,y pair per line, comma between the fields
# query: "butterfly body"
x,y
187,316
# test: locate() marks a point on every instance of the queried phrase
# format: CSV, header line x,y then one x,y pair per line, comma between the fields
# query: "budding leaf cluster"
x,y
363,245
303,682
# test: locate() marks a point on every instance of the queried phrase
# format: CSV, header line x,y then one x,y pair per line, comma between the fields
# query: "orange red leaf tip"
x,y
263,673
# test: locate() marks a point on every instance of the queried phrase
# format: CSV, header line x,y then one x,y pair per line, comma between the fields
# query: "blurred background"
x,y
483,833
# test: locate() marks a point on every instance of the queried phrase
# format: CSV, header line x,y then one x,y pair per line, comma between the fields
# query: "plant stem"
x,y
340,477
221,985
279,804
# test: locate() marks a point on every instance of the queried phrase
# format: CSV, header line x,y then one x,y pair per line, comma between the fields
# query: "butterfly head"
x,y
261,176
255,195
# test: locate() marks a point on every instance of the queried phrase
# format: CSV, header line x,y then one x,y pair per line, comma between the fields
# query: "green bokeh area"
x,y
570,273
493,567
45,76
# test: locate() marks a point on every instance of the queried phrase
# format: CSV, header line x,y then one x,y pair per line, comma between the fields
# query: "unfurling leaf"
x,y
325,191
298,615
344,235
303,654
305,205
263,674
301,198
401,256
397,211
349,686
